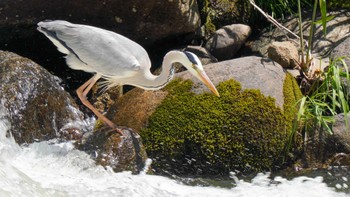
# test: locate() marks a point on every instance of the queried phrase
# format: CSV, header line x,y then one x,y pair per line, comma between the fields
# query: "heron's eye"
x,y
194,66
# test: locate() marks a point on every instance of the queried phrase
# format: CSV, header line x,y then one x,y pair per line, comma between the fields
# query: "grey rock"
x,y
342,51
341,133
252,72
337,30
226,41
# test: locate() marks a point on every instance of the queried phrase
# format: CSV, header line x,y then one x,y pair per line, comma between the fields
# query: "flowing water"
x,y
51,168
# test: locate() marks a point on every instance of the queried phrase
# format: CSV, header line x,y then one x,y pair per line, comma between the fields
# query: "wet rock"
x,y
108,148
37,107
226,41
340,159
284,53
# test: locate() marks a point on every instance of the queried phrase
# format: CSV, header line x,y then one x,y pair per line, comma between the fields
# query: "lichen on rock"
x,y
208,135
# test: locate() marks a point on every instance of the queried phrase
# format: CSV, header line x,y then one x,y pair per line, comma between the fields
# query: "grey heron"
x,y
115,58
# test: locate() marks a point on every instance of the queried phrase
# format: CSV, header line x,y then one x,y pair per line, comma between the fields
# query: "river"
x,y
52,168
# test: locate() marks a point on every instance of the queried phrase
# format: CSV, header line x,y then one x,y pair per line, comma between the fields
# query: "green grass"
x,y
281,8
336,4
218,13
328,97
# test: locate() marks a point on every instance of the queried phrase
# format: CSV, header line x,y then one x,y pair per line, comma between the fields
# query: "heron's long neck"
x,y
157,82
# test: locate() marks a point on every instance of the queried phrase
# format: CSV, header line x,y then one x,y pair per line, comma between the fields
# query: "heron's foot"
x,y
108,127
115,128
112,130
120,131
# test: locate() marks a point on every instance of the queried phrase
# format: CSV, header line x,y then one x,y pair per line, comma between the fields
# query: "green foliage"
x,y
218,13
204,134
336,4
281,8
327,99
305,62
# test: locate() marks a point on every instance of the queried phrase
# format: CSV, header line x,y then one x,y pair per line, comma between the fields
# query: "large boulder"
x,y
37,107
252,72
187,130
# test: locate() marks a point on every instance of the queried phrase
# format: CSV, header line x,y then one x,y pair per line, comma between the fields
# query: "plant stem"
x,y
309,49
272,20
301,34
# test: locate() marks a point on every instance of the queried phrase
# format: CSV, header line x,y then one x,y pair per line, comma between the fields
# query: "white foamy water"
x,y
57,169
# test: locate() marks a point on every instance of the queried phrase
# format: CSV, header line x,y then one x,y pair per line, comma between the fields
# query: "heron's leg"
x,y
120,90
83,90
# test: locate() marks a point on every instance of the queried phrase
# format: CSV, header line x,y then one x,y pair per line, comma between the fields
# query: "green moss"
x,y
292,95
204,134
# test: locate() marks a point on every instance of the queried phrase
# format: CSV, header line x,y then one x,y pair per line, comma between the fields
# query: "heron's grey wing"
x,y
102,51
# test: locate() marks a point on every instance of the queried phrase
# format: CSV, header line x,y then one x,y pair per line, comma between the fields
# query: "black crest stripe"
x,y
191,57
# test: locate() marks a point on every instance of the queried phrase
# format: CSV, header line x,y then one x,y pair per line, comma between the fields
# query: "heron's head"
x,y
195,67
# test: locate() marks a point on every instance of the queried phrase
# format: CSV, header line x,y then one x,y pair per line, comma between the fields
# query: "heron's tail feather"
x,y
54,31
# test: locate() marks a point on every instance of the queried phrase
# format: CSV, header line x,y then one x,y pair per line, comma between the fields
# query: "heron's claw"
x,y
110,129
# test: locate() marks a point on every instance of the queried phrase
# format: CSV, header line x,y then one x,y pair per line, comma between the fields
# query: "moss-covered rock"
x,y
204,134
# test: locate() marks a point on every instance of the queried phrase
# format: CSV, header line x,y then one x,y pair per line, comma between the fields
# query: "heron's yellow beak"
x,y
205,79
